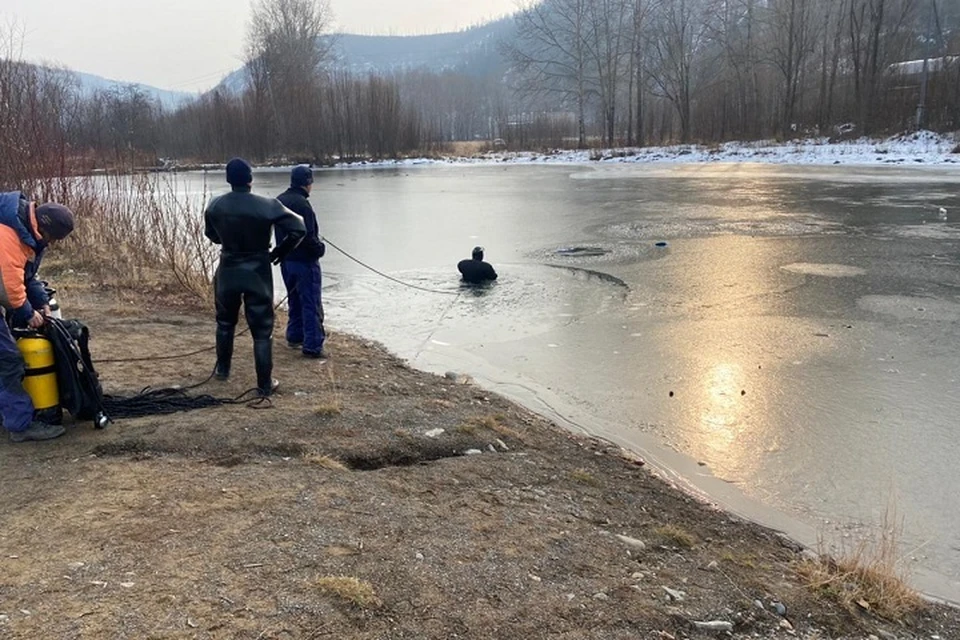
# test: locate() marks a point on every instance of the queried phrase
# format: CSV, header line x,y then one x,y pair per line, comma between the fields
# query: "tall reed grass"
x,y
134,230
142,232
867,575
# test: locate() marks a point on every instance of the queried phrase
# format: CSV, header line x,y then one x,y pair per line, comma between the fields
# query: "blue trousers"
x,y
16,407
303,280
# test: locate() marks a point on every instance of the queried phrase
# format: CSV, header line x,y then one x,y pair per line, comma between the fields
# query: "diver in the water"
x,y
475,270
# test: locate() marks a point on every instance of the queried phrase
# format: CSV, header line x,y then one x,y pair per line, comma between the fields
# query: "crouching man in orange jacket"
x,y
25,232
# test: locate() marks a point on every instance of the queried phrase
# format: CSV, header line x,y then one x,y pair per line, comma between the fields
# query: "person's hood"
x,y
15,212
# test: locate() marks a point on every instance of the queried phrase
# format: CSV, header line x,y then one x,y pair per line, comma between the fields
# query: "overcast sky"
x,y
190,44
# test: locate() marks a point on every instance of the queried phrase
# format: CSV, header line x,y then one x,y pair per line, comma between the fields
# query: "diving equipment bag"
x,y
78,383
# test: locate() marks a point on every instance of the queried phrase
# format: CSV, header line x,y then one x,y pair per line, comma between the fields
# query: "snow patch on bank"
x,y
918,148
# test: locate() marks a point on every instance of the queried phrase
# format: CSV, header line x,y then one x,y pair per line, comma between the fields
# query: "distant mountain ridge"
x,y
458,50
472,51
90,84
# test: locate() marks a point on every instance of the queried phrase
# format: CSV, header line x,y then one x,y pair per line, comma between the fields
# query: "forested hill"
x,y
473,52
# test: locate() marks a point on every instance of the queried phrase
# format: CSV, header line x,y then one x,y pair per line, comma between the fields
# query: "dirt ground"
x,y
343,511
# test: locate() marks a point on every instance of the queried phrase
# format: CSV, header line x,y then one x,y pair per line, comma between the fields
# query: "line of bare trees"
x,y
579,73
344,117
131,230
33,104
292,103
710,70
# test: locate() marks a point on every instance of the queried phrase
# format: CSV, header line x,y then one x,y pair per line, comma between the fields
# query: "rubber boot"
x,y
224,352
263,362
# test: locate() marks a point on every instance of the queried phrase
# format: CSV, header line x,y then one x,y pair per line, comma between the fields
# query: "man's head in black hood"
x,y
239,173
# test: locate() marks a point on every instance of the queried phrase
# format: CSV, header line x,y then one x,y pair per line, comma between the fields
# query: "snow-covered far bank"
x,y
919,148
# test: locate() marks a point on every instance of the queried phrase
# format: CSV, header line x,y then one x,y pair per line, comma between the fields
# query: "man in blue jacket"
x,y
25,232
301,269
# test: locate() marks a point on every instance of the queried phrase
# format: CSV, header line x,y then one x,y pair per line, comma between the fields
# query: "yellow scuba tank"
x,y
40,381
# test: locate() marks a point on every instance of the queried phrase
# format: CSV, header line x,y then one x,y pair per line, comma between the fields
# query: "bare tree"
x,y
793,36
832,30
551,54
680,36
286,52
609,45
636,82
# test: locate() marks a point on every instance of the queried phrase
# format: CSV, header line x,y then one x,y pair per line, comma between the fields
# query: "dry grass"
x,y
352,590
326,462
585,477
676,535
332,408
466,149
868,576
506,431
142,232
469,428
491,423
341,550
745,560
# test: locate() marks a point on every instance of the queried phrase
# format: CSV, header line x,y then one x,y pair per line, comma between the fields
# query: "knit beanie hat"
x,y
55,221
301,176
239,173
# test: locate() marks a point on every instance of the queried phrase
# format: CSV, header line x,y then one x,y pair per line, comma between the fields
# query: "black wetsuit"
x,y
241,223
476,271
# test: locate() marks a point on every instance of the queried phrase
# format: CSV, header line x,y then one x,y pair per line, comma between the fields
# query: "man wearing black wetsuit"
x,y
241,223
476,271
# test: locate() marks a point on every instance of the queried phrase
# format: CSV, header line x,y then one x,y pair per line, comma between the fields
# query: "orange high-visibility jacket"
x,y
16,258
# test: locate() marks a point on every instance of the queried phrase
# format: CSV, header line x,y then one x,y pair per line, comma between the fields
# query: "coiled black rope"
x,y
159,402
150,401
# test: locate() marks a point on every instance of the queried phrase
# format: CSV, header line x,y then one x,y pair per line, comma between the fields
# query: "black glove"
x,y
321,250
284,248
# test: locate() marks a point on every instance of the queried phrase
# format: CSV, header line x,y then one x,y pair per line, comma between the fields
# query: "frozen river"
x,y
791,349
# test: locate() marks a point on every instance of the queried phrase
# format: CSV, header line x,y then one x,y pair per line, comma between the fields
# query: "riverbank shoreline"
x,y
921,148
909,149
447,509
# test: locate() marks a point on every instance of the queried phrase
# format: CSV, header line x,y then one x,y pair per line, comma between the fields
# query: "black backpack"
x,y
80,391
